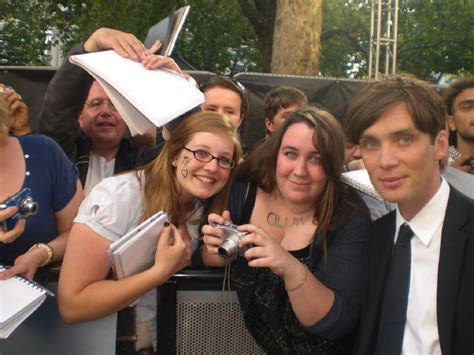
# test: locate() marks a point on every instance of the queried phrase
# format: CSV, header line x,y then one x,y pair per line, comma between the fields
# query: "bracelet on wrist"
x,y
48,250
288,289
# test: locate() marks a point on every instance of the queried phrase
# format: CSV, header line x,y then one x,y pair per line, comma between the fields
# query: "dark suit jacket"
x,y
455,294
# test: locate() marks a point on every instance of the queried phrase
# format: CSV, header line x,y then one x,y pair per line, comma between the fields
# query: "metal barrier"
x,y
196,316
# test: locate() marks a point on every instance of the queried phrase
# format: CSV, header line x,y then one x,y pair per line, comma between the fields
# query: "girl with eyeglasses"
x,y
188,180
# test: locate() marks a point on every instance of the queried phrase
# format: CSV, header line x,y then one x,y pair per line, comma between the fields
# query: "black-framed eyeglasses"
x,y
205,157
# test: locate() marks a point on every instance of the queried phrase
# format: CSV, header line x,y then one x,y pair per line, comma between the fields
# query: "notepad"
x,y
19,298
144,98
360,180
135,251
167,30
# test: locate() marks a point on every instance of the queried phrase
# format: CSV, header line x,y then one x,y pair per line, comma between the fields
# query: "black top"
x,y
267,311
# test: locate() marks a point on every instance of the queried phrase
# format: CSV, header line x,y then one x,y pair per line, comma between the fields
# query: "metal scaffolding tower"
x,y
383,15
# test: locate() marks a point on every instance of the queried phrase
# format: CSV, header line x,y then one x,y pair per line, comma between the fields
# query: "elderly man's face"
x,y
100,120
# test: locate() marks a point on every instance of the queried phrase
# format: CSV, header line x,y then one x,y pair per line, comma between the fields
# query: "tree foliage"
x,y
23,38
218,38
436,37
224,36
345,38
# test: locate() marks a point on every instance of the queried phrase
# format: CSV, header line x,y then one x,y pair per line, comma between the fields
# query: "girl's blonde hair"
x,y
161,192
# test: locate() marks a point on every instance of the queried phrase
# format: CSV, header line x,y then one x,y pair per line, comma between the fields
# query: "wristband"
x,y
302,282
48,249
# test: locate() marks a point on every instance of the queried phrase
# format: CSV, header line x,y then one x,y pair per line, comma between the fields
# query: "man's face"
x,y
99,119
402,162
462,119
273,124
224,101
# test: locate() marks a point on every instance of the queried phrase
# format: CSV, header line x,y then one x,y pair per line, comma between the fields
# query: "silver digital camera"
x,y
230,246
26,207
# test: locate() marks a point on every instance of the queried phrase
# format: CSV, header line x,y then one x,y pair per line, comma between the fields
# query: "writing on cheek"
x,y
275,220
184,164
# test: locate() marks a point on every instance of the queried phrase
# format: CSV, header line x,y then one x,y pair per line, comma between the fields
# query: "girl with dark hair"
x,y
300,282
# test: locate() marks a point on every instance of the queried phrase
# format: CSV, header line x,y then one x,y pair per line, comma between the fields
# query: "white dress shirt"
x,y
99,169
421,329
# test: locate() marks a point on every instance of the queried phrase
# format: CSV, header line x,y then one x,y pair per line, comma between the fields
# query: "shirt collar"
x,y
427,221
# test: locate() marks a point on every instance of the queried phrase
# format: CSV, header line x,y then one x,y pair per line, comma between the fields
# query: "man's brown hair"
x,y
454,89
425,106
282,97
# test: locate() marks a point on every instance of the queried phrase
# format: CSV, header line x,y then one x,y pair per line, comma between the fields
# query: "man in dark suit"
x,y
420,294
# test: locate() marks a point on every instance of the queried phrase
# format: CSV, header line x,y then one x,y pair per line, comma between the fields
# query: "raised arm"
x,y
68,89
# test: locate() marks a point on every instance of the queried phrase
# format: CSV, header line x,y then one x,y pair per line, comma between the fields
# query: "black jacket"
x,y
63,103
455,291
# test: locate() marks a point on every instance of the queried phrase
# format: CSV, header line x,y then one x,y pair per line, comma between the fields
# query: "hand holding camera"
x,y
230,246
13,211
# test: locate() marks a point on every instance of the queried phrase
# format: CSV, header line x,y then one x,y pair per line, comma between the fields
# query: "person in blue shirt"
x,y
36,162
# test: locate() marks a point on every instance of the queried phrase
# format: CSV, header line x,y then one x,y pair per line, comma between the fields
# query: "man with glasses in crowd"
x,y
79,115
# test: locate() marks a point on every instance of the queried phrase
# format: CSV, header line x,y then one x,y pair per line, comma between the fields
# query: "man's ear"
x,y
451,125
269,124
442,144
81,120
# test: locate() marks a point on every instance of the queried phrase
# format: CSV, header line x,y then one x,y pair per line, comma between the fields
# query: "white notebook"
x,y
19,298
135,251
360,180
144,98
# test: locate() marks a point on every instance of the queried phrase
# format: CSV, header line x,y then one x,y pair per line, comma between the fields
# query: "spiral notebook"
x,y
135,251
19,298
360,180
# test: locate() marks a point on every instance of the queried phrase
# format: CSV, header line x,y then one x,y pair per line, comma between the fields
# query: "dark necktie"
x,y
395,298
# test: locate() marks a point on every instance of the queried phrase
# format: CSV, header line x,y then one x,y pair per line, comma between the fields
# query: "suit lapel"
x,y
380,249
382,245
453,239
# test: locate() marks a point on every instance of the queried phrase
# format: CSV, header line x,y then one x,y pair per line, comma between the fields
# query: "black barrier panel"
x,y
31,84
329,93
332,94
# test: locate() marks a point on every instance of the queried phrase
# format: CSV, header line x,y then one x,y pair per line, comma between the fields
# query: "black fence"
x,y
332,94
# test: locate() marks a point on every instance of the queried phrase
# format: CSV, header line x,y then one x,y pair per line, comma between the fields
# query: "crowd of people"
x,y
317,272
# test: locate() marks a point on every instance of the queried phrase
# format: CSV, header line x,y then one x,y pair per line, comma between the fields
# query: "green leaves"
x,y
435,37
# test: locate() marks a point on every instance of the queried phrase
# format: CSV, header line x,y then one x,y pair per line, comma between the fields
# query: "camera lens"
x,y
230,247
28,207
